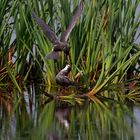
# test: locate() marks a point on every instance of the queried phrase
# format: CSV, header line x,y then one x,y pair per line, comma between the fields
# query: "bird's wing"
x,y
50,34
75,17
52,55
68,81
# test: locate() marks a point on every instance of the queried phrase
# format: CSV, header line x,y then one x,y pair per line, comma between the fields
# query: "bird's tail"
x,y
52,55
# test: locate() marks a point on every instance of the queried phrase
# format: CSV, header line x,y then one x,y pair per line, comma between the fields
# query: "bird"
x,y
62,77
61,44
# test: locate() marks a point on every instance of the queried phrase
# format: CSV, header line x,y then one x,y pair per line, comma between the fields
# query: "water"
x,y
136,128
36,117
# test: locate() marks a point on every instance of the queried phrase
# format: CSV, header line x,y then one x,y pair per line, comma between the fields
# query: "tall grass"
x,y
102,43
103,52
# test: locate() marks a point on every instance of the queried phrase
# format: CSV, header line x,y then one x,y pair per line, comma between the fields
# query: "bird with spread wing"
x,y
61,44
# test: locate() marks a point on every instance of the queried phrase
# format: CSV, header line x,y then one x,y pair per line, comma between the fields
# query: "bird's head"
x,y
66,70
66,49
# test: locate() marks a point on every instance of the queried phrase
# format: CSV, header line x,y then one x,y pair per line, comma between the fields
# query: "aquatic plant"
x,y
103,55
103,49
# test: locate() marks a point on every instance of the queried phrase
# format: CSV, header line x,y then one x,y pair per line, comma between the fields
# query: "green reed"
x,y
103,51
102,43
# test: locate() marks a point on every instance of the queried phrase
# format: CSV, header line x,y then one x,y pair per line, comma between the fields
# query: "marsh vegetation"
x,y
104,58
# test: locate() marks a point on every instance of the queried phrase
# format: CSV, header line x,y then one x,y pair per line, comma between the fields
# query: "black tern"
x,y
58,45
62,77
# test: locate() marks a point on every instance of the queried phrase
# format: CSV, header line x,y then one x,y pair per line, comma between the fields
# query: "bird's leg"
x,y
68,60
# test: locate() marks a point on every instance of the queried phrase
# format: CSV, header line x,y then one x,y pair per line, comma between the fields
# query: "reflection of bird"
x,y
62,114
58,45
62,77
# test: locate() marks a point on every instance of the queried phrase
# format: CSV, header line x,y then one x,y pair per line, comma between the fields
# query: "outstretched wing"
x,y
50,34
75,17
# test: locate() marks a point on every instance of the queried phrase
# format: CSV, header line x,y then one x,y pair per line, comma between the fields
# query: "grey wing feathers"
x,y
77,14
50,34
69,82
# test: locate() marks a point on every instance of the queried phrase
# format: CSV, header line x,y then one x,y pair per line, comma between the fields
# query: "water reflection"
x,y
62,114
136,123
35,119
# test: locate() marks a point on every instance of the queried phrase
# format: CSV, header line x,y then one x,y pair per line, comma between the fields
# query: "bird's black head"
x,y
66,49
